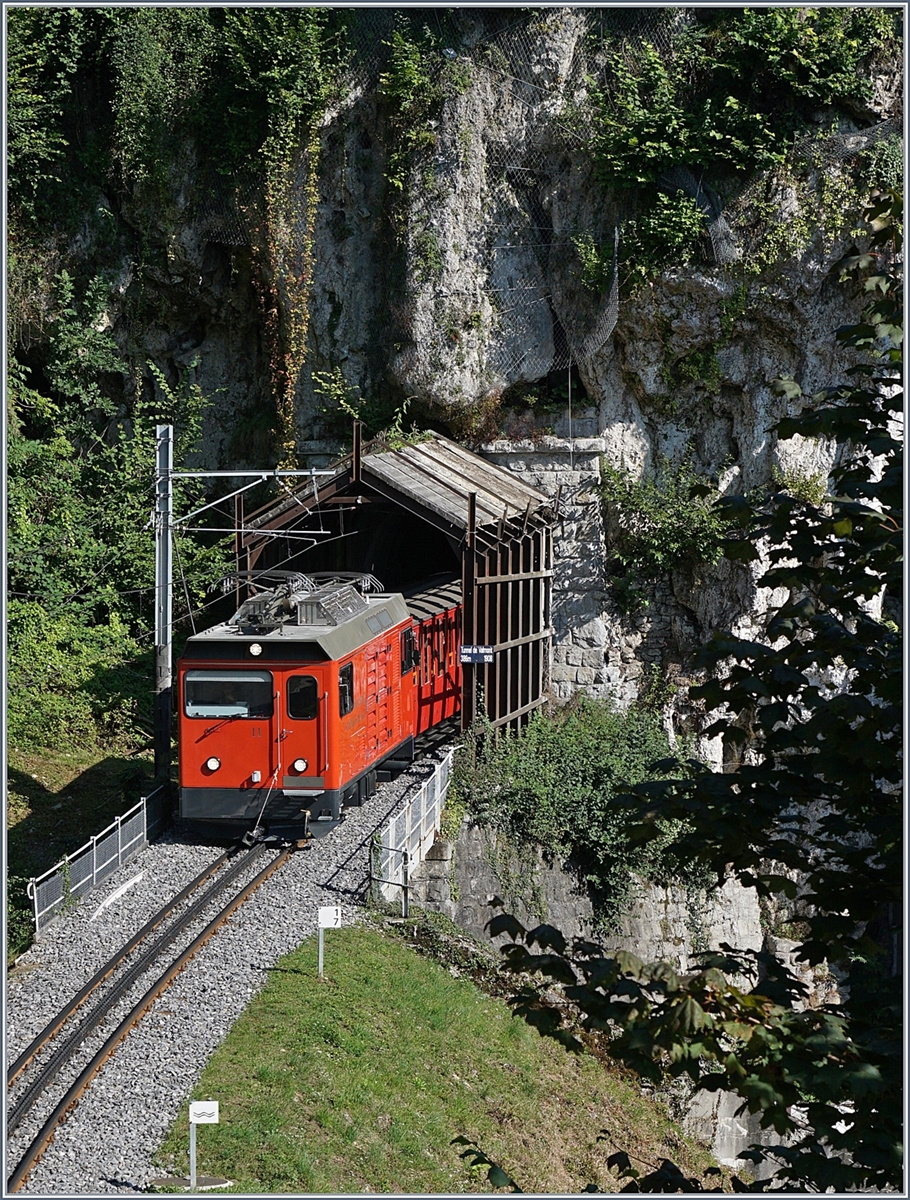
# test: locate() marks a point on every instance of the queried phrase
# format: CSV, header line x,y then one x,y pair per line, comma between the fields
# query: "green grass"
x,y
359,1082
56,801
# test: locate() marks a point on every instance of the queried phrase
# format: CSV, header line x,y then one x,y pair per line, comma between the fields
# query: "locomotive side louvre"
x,y
286,722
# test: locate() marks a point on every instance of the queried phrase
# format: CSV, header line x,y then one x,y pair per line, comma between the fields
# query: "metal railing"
x,y
404,839
75,875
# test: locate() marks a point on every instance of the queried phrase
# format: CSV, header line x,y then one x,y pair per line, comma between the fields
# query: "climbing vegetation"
x,y
739,84
422,72
661,523
687,128
383,416
664,235
553,786
45,49
287,58
161,62
412,91
143,100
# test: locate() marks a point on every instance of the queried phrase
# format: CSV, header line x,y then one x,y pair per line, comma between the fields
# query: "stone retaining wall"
x,y
667,923
460,879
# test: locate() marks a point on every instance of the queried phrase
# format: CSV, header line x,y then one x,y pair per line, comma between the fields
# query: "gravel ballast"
x,y
108,1143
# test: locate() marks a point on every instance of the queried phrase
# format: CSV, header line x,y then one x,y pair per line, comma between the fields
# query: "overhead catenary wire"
x,y
199,609
186,591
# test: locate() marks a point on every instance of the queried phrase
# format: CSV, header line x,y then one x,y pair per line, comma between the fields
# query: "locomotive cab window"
x,y
303,697
346,689
228,694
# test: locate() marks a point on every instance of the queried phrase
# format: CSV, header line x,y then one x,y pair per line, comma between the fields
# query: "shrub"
x,y
554,784
19,922
805,487
883,164
81,557
658,525
723,103
666,233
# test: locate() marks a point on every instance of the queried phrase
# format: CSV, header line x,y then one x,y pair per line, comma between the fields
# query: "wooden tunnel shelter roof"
x,y
440,475
433,478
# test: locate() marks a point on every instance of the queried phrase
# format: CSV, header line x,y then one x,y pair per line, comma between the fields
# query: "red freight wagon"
x,y
288,710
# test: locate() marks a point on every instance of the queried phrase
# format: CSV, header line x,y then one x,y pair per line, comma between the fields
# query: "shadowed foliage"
x,y
809,808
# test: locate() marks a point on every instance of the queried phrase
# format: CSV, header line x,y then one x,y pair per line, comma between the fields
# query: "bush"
x,y
81,556
666,233
724,102
554,785
658,525
19,924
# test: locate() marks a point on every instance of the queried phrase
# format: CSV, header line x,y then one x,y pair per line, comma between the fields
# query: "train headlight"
x,y
300,764
213,763
255,649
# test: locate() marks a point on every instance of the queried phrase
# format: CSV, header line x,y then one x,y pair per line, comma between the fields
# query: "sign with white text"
x,y
475,654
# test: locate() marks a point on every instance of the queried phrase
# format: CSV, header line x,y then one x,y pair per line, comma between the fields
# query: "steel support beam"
x,y
164,513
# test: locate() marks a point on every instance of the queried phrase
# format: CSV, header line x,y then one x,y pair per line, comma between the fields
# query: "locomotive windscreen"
x,y
228,693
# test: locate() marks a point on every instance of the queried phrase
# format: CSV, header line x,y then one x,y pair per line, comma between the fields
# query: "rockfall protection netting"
x,y
537,69
509,57
224,205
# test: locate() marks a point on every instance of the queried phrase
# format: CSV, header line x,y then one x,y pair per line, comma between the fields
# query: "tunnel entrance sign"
x,y
476,654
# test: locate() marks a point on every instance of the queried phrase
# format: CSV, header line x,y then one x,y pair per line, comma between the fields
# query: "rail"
x,y
404,839
76,874
76,1089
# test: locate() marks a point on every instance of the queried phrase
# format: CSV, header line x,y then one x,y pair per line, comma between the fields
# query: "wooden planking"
x,y
424,489
440,474
437,474
498,483
422,481
508,608
470,471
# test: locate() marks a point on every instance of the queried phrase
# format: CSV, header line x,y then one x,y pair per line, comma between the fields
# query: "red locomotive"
x,y
289,711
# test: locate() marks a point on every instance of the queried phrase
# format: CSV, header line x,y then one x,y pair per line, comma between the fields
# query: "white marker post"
x,y
329,918
202,1112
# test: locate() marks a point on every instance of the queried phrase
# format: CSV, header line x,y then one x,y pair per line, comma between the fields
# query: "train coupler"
x,y
260,835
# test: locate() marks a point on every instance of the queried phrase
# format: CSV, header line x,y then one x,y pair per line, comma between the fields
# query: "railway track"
x,y
157,959
56,1023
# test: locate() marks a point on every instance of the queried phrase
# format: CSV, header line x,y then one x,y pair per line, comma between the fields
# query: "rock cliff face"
x,y
454,277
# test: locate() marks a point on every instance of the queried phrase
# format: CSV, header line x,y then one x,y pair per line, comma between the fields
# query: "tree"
x,y
81,554
808,807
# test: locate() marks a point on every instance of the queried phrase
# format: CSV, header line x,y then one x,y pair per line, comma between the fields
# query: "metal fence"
x,y
78,873
405,838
